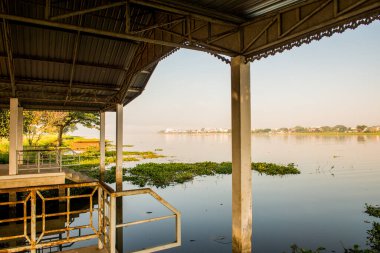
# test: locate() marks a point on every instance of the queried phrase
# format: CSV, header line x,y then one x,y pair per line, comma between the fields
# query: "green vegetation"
x,y
373,234
89,158
165,174
296,249
373,211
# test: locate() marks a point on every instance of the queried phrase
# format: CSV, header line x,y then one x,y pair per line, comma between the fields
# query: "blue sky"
x,y
328,82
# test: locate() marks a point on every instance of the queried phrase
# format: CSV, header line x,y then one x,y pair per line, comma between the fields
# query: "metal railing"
x,y
33,209
44,159
108,225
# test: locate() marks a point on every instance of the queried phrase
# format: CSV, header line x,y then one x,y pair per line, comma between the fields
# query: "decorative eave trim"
x,y
315,36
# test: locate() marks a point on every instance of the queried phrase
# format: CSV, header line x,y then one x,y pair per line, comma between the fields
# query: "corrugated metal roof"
x,y
43,58
57,67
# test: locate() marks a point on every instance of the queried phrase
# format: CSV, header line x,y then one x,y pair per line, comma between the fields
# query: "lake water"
x,y
323,206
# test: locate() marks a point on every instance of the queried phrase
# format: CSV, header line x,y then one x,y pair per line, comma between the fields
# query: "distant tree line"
x,y
323,129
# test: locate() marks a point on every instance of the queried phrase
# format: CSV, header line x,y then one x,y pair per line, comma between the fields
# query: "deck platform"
x,y
31,177
27,180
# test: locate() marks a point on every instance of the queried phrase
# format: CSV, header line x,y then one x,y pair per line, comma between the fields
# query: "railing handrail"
x,y
47,149
106,216
49,187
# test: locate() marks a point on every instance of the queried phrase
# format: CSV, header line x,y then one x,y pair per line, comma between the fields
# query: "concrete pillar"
x,y
102,144
241,156
119,147
20,132
13,135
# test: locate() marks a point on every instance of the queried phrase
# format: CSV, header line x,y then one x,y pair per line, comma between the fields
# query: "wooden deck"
x,y
31,177
4,170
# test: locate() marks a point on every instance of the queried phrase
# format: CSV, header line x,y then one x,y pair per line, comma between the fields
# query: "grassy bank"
x,y
165,174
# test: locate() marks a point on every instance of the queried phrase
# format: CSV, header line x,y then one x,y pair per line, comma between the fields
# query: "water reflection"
x,y
321,207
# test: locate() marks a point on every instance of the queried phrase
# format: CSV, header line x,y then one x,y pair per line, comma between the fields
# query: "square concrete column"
x,y
241,156
20,132
119,147
102,144
13,122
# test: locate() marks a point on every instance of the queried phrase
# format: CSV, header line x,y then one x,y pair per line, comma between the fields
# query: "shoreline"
x,y
284,134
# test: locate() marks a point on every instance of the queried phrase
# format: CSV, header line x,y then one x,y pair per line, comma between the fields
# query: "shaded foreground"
x,y
165,174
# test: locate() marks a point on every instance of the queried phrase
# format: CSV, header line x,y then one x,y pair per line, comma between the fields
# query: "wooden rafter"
x,y
72,70
114,35
8,47
63,61
10,64
111,88
86,11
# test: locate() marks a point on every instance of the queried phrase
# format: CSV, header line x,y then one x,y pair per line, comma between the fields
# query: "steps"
x,y
77,177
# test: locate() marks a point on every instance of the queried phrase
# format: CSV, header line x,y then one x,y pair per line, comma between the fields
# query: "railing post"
x,y
100,217
33,221
112,231
178,228
18,162
38,161
60,160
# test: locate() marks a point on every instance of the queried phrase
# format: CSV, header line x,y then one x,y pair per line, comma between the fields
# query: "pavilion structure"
x,y
99,55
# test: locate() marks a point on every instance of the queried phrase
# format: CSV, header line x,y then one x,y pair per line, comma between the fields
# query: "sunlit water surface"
x,y
323,206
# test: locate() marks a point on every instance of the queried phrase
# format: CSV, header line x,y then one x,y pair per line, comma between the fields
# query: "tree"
x,y
361,128
325,129
4,123
36,123
299,129
65,122
340,128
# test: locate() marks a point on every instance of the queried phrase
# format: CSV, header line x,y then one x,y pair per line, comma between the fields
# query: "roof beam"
x,y
8,48
199,13
123,36
55,100
63,61
81,12
47,8
72,70
50,93
50,83
127,17
56,107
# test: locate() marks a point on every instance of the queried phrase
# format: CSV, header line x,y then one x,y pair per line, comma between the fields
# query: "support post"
x,y
102,145
13,136
20,132
100,216
241,156
112,232
119,147
33,231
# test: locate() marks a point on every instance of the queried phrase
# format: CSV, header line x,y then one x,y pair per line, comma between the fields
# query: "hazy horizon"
x,y
328,82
